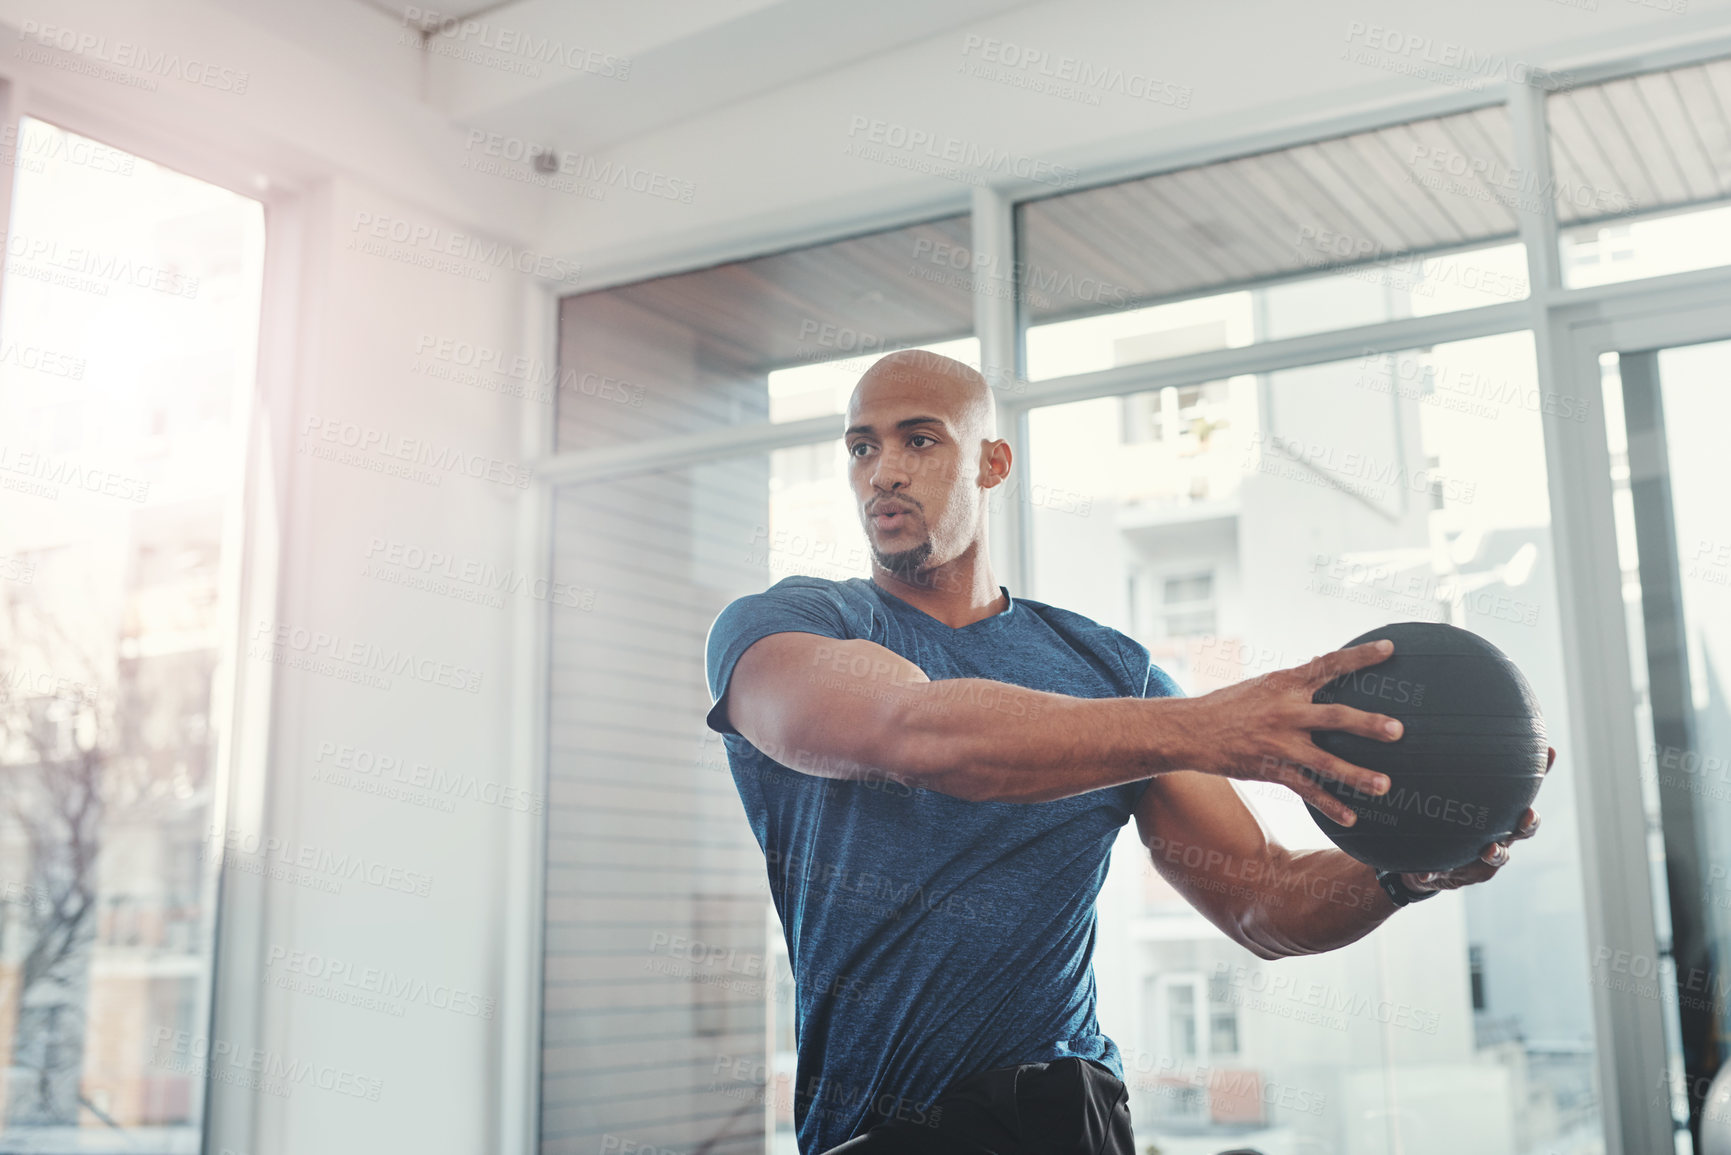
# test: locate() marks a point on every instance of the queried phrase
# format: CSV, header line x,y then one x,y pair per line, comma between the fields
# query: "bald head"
x,y
942,386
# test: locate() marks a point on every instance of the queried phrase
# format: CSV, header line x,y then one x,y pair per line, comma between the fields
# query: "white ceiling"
x,y
750,101
686,57
427,16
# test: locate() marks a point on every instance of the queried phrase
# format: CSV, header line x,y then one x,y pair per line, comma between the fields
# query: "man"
x,y
936,772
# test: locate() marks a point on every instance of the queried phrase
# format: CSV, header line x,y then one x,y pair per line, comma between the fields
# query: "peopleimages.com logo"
x,y
434,459
431,242
139,58
929,151
516,46
581,167
320,651
1062,75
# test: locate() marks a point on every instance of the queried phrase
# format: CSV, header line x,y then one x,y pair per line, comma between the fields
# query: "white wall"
x,y
367,323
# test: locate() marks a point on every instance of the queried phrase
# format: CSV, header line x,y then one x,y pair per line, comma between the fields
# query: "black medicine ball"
x,y
1466,768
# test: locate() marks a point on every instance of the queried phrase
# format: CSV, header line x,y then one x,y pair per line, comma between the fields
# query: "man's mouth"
x,y
890,517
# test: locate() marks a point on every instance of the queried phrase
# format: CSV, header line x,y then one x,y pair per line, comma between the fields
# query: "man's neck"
x,y
956,597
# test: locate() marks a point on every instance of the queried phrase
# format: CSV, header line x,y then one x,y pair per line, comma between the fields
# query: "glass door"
x,y
1667,411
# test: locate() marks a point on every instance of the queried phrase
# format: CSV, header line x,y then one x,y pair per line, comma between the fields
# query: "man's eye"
x,y
857,446
922,437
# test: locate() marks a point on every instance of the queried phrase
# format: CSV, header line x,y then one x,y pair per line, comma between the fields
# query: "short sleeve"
x,y
793,605
1149,679
1160,683
1152,682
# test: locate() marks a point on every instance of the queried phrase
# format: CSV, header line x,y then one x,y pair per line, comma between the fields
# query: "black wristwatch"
x,y
1399,892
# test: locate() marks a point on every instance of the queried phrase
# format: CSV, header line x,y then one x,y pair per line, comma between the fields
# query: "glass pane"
x,y
127,341
1181,1018
775,338
657,894
1337,498
814,524
1223,1037
1416,286
1628,250
1636,164
1675,543
1408,220
824,387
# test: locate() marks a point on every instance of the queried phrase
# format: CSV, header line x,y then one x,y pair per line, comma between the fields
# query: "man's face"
x,y
915,474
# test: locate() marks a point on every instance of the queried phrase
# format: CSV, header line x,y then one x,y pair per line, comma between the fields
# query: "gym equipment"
x,y
1467,766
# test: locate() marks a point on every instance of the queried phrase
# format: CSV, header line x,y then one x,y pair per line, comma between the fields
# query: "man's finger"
x,y
1496,854
1314,760
1320,671
1330,805
1305,786
1529,822
1476,871
1352,721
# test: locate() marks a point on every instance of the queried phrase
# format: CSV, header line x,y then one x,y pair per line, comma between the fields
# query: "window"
x,y
1387,487
1222,1017
1640,174
775,338
1181,603
1185,416
1408,220
1655,246
130,323
1236,519
635,881
1188,605
1180,1020
823,387
1174,1019
660,986
1666,411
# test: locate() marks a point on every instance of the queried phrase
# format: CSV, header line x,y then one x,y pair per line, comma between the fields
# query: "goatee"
x,y
905,564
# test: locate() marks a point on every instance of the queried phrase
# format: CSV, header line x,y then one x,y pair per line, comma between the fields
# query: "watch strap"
x,y
1398,891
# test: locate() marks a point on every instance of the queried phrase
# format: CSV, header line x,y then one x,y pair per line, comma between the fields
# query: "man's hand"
x,y
1259,730
1490,860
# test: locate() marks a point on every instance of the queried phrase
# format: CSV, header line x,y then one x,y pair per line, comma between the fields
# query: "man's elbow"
x,y
919,748
922,761
1263,946
1268,953
1248,931
1257,927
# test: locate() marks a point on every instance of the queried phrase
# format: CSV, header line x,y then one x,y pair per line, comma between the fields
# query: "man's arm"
x,y
852,708
1275,902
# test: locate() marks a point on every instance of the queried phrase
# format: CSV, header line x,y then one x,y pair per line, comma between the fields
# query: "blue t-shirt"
x,y
931,938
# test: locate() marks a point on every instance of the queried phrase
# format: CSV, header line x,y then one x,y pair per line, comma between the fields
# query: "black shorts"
x,y
1072,1106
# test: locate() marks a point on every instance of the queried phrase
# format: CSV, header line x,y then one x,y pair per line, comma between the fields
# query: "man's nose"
x,y
892,471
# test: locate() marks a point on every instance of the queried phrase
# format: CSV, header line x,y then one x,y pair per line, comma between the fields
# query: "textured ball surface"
x,y
1468,765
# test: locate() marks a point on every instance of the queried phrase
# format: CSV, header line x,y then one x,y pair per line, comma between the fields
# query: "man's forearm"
x,y
1310,901
990,741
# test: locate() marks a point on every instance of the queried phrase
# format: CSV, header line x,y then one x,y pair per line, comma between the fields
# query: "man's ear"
x,y
995,460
